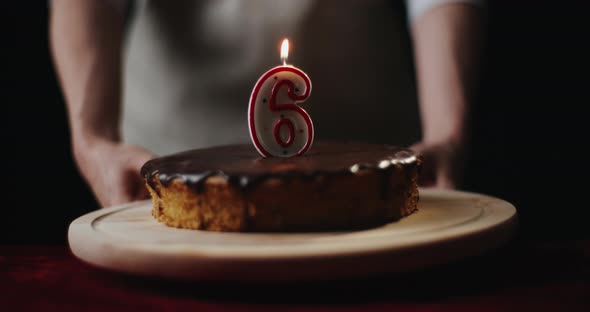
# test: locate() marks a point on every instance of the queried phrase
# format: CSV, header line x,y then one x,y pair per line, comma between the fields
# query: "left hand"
x,y
443,163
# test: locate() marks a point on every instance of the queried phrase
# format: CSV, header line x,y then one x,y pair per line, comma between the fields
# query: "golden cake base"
x,y
328,202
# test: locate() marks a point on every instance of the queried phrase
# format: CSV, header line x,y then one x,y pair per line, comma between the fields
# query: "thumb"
x,y
139,158
132,187
443,178
140,191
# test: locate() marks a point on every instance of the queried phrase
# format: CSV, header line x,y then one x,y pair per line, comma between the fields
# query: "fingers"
x,y
117,199
143,193
438,166
436,177
140,158
129,188
134,190
139,190
114,197
124,181
427,177
443,181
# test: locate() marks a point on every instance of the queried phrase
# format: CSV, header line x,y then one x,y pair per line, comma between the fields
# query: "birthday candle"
x,y
278,125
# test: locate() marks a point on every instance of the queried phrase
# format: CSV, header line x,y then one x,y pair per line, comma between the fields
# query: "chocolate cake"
x,y
335,186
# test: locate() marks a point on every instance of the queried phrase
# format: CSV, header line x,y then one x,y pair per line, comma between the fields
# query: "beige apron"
x,y
191,65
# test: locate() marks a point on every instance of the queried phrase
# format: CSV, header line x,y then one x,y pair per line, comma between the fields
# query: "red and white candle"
x,y
278,125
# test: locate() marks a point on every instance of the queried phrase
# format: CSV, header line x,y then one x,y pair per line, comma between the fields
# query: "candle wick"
x,y
285,61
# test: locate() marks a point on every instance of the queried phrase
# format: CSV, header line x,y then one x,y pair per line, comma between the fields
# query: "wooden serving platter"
x,y
449,225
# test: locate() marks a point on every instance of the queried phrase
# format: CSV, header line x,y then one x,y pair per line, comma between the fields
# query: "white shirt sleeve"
x,y
418,7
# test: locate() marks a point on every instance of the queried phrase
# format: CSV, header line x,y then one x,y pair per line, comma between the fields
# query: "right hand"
x,y
443,163
112,171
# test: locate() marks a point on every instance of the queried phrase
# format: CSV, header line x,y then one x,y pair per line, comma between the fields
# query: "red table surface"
x,y
523,276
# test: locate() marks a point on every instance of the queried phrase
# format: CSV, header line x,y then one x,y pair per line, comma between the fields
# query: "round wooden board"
x,y
449,225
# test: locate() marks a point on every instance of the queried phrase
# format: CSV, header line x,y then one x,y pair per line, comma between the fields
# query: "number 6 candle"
x,y
278,126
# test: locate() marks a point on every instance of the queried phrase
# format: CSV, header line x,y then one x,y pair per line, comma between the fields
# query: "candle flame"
x,y
285,51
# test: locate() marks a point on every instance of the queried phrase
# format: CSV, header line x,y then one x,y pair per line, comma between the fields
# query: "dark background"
x,y
529,123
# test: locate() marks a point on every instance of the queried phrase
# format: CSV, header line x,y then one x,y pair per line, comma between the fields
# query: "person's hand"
x,y
112,171
443,163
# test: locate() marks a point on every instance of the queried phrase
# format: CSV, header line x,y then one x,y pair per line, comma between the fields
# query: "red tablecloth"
x,y
521,277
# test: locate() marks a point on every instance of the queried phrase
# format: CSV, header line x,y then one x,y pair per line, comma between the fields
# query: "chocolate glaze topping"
x,y
243,167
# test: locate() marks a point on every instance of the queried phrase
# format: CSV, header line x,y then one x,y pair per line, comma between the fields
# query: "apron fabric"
x,y
190,67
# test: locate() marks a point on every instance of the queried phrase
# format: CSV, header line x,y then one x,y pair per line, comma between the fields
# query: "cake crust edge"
x,y
328,202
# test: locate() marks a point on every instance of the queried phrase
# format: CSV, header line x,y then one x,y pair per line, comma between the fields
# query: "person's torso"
x,y
191,65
